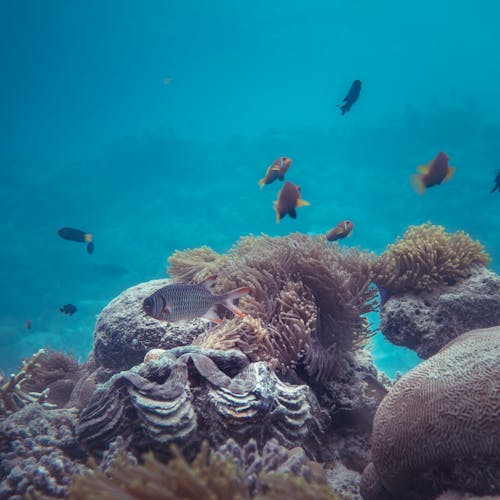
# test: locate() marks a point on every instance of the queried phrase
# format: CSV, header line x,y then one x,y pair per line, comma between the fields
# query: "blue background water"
x,y
92,137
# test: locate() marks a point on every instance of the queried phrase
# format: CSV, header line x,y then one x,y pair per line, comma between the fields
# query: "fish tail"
x,y
88,238
262,182
418,183
494,189
227,300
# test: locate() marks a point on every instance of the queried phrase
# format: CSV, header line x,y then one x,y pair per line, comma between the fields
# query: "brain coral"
x,y
307,299
426,257
439,426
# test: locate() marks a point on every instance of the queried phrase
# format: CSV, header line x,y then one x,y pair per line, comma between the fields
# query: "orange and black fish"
x,y
27,325
496,187
351,97
68,309
277,170
181,301
68,233
341,230
288,201
432,174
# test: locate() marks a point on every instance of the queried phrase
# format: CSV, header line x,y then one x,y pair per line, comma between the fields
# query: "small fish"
x,y
341,230
68,233
68,309
351,97
277,170
496,187
181,301
167,80
288,201
27,325
432,174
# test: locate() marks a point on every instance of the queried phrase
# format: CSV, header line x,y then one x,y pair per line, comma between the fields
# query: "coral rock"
x,y
124,333
38,453
428,321
438,427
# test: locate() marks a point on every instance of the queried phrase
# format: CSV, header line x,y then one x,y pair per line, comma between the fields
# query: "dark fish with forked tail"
x,y
351,97
71,234
181,301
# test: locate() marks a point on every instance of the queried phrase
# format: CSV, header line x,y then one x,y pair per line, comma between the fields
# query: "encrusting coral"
x,y
12,396
427,257
308,299
209,476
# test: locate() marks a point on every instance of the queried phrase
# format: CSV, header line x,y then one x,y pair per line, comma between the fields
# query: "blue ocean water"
x,y
148,124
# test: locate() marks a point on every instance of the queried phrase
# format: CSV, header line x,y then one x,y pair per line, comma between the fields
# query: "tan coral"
x,y
12,397
438,426
306,295
194,265
427,257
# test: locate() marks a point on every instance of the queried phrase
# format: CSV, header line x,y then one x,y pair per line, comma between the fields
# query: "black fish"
x,y
68,309
351,97
71,234
497,183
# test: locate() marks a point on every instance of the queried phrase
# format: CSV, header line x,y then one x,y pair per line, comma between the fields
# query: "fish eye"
x,y
148,303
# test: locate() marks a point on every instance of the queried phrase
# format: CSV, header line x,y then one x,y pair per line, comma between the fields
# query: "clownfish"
x,y
288,201
341,230
432,174
277,170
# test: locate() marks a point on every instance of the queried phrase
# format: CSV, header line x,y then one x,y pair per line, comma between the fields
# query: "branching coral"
x,y
307,298
194,265
209,476
427,257
56,371
12,397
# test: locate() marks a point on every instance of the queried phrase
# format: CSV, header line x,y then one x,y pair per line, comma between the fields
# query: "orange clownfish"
x,y
288,201
277,170
341,230
432,174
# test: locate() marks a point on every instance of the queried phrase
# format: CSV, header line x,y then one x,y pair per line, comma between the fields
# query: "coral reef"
x,y
428,321
124,333
427,257
12,395
56,372
191,393
210,475
307,300
195,265
38,452
438,426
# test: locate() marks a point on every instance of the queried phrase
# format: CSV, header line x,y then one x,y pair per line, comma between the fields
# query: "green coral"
x,y
427,257
208,477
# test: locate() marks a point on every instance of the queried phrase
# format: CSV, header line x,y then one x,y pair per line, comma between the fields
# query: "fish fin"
x,y
302,203
278,216
88,238
293,213
262,182
228,298
449,175
212,315
494,189
281,178
209,282
350,234
423,169
418,183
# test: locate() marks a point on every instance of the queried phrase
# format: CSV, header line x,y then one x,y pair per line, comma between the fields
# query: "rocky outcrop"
x,y
438,427
427,321
124,333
